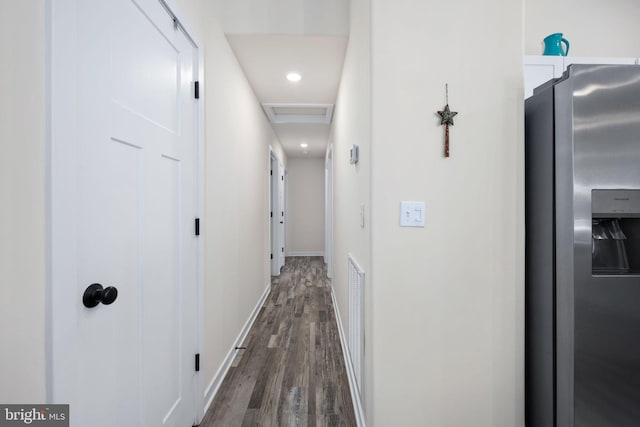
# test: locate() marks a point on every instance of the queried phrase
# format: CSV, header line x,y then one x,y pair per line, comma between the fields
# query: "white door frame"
x,y
283,213
328,211
286,212
274,236
61,107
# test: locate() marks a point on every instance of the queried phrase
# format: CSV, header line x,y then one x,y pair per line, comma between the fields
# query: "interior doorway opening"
x,y
277,216
328,211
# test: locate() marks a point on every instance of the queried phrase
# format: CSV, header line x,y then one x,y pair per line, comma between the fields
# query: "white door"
x,y
274,184
123,195
282,224
328,214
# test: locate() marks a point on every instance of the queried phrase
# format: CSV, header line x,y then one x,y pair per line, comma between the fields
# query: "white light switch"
x,y
411,214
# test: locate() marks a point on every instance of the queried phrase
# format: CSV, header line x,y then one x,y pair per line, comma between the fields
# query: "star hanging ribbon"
x,y
446,119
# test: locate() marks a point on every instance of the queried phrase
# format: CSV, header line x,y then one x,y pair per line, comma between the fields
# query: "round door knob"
x,y
109,295
96,294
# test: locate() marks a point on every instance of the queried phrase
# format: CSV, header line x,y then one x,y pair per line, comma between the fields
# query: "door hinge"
x,y
271,215
197,362
196,91
282,177
271,256
283,250
271,172
197,226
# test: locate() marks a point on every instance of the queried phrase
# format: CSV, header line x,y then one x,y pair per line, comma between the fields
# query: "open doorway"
x,y
328,214
277,191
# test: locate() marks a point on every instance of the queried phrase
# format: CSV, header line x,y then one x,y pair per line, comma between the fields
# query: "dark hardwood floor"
x,y
292,371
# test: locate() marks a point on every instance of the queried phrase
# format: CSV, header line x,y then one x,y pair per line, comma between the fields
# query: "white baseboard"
x,y
306,253
355,393
214,385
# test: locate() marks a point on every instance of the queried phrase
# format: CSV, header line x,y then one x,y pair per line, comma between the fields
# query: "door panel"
x,y
604,139
281,214
328,247
131,147
145,64
275,217
161,309
104,336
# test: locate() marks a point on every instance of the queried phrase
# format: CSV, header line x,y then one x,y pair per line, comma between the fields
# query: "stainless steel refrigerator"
x,y
582,339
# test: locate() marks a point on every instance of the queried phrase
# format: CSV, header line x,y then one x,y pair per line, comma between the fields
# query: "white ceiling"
x,y
266,60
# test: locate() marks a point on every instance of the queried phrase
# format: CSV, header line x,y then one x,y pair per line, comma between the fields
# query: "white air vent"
x,y
356,318
299,113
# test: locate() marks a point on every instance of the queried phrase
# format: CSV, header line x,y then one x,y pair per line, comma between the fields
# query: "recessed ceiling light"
x,y
294,77
304,145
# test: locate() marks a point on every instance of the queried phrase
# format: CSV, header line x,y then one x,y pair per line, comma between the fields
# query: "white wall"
x,y
593,27
22,191
448,298
352,182
236,221
310,17
305,207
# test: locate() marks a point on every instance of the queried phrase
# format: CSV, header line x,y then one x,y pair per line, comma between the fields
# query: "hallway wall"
x,y
448,298
236,222
593,27
305,207
22,195
352,182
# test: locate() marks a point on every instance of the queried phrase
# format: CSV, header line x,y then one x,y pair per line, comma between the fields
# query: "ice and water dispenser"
x,y
615,232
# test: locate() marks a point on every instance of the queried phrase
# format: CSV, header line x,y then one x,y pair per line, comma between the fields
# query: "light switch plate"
x,y
412,214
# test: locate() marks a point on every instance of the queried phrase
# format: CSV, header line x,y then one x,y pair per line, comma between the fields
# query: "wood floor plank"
x,y
313,372
294,409
261,381
292,372
268,411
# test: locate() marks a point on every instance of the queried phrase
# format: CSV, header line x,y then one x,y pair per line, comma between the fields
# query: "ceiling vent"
x,y
299,113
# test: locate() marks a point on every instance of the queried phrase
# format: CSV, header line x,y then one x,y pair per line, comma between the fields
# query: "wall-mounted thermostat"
x,y
354,153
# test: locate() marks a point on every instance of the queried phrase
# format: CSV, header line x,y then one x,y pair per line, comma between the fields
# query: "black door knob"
x,y
96,294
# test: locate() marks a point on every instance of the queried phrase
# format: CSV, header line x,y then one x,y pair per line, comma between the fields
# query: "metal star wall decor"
x,y
446,119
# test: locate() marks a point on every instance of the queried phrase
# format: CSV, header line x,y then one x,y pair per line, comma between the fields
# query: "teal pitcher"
x,y
553,45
